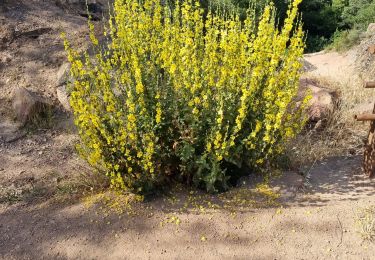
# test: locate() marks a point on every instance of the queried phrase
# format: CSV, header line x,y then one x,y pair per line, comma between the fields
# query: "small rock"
x,y
63,98
63,74
27,105
371,49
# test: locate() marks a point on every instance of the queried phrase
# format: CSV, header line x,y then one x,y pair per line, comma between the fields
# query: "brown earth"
x,y
43,214
315,222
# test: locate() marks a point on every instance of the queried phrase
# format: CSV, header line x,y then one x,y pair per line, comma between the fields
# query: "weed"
x,y
366,221
177,94
10,197
344,40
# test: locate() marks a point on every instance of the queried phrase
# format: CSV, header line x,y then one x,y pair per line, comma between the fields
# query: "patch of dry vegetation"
x,y
80,185
340,134
366,223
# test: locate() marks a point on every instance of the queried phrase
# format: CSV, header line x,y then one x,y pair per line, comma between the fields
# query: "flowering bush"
x,y
180,94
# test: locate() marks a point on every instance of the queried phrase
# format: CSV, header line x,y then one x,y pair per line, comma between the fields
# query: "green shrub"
x,y
357,14
344,40
174,95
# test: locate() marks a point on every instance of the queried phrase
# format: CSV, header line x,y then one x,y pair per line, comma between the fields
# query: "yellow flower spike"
x,y
172,81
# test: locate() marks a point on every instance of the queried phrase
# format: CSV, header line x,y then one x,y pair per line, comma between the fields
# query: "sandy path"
x,y
337,67
319,223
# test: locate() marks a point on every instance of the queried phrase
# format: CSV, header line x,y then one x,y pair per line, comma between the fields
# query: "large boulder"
x,y
28,105
323,101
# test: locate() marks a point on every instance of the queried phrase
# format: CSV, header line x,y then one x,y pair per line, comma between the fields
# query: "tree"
x,y
357,14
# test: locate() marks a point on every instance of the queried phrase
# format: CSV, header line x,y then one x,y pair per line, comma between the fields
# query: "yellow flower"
x,y
172,76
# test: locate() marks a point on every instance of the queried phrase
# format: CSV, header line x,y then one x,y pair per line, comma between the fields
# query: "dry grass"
x,y
58,189
366,223
80,185
340,134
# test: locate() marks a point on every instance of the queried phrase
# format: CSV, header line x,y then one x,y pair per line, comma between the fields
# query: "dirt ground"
x,y
339,67
43,214
316,222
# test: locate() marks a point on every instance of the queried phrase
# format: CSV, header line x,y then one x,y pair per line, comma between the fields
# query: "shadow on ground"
x,y
337,179
181,221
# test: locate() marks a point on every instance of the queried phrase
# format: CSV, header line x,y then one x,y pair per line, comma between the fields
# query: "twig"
x,y
342,231
307,176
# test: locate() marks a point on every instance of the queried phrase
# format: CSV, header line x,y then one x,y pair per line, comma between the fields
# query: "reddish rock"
x,y
323,101
371,49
